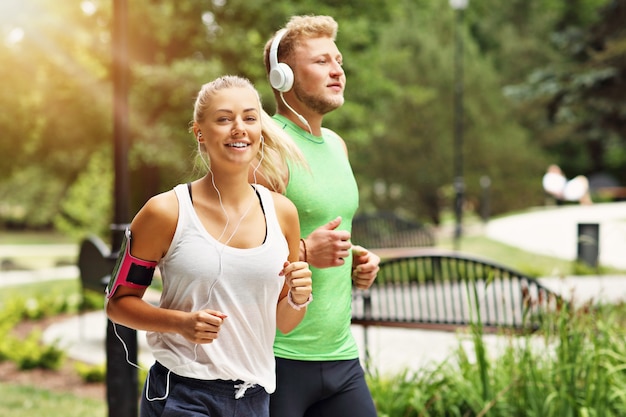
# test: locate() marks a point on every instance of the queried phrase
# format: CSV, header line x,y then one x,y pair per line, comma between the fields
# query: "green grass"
x,y
512,257
23,401
532,264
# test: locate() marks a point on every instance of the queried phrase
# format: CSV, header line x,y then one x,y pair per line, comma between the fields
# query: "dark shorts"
x,y
321,389
191,397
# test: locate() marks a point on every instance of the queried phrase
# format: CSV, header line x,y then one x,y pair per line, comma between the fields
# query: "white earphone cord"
x,y
298,115
167,383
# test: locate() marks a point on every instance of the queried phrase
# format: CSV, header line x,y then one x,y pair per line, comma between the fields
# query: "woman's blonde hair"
x,y
278,147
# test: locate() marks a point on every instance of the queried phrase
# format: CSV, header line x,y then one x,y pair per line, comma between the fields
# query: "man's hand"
x,y
364,267
327,247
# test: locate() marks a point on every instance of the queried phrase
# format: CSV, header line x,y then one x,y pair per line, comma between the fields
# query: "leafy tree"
x,y
408,160
87,206
57,114
62,96
397,120
580,96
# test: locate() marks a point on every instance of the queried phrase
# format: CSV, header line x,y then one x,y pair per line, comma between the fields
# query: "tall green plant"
x,y
574,365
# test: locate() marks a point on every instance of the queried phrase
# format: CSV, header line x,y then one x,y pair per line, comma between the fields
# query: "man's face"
x,y
319,80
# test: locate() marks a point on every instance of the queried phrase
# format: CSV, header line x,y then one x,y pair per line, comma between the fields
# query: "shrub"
x,y
91,373
573,366
30,353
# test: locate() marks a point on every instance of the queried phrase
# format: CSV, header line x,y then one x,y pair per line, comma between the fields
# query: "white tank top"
x,y
246,290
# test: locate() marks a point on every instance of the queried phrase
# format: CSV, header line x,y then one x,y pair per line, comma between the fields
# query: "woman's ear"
x,y
197,132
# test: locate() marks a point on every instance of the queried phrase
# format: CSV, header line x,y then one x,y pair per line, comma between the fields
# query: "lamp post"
x,y
121,342
459,7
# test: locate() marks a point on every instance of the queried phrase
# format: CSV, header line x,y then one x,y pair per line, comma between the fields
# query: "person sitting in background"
x,y
556,184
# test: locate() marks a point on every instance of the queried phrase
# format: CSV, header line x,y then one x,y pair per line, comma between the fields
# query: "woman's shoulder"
x,y
161,209
163,204
154,225
282,203
286,213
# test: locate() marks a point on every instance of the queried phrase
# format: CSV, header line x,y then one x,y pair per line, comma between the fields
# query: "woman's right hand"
x,y
202,326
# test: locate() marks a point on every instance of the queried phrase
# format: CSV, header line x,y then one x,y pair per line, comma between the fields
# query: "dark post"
x,y
459,184
121,378
485,204
588,243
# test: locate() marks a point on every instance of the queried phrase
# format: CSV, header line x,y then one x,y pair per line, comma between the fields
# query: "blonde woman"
x,y
228,253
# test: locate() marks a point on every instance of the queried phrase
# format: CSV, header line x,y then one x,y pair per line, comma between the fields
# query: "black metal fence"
x,y
387,230
439,290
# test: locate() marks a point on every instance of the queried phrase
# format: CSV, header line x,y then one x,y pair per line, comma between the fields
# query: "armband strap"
x,y
130,271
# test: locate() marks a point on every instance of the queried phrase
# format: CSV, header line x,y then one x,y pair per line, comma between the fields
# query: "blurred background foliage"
x,y
544,82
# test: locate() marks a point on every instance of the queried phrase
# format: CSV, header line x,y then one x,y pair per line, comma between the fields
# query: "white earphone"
x,y
281,74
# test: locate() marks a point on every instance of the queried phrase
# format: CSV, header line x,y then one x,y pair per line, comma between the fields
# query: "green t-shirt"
x,y
322,192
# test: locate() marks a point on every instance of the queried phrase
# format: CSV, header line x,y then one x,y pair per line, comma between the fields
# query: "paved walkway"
x,y
546,231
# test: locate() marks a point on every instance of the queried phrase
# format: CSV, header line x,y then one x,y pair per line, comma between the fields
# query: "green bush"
x,y
91,373
97,373
39,306
29,353
10,315
574,366
92,300
32,354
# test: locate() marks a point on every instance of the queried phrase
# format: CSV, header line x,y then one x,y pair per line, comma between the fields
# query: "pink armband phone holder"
x,y
130,271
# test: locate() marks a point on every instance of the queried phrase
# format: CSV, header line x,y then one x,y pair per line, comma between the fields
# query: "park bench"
x,y
95,263
429,288
388,230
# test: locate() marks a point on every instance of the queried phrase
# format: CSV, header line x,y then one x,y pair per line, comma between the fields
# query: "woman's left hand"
x,y
298,279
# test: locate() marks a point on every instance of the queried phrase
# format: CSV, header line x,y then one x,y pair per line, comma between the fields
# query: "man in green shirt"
x,y
317,364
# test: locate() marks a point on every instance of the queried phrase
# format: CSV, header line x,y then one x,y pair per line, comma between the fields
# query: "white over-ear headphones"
x,y
281,74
